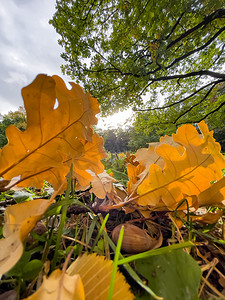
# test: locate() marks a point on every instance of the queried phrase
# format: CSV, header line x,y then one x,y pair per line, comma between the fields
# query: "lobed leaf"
x,y
189,168
54,137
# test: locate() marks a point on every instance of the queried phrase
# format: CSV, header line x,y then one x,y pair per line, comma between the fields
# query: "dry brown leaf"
x,y
95,272
54,137
102,184
19,221
184,174
60,286
208,218
205,218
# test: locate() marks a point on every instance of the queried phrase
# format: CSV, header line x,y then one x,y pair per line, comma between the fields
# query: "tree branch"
x,y
204,117
182,100
220,13
197,49
194,105
174,26
187,75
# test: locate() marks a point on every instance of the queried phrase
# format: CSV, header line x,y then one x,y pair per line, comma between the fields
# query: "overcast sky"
x,y
28,46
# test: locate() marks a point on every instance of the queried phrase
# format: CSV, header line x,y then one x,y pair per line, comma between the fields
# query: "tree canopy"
x,y
121,50
16,118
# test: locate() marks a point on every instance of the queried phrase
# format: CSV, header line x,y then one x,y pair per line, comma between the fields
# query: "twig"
x,y
211,265
75,240
213,288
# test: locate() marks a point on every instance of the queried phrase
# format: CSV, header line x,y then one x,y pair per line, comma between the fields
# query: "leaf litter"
x,y
168,182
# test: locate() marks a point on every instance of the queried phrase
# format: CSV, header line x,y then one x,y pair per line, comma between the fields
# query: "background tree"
x,y
17,118
121,50
126,140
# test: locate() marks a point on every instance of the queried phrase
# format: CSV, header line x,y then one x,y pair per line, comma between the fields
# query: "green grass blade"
x,y
115,263
99,233
153,252
91,229
62,221
131,272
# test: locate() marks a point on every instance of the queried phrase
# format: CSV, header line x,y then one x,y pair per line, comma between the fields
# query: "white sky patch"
x,y
120,119
16,77
29,46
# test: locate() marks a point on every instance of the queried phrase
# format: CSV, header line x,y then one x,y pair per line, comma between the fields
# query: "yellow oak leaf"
x,y
54,137
95,272
186,172
213,195
60,286
146,157
135,174
19,221
90,160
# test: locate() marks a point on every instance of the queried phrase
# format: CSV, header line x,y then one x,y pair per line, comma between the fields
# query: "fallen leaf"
x,y
90,160
60,286
136,174
208,218
184,174
19,221
102,184
213,195
95,272
54,137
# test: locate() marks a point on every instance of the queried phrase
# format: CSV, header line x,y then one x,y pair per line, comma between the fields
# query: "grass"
x,y
74,226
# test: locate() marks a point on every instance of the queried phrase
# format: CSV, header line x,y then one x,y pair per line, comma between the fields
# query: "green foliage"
x,y
129,139
115,161
174,275
17,118
122,50
219,135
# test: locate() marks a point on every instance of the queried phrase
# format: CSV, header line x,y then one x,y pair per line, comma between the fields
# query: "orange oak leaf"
x,y
213,195
146,157
19,221
135,174
55,136
186,172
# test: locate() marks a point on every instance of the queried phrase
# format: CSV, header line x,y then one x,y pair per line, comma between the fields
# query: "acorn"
x,y
135,239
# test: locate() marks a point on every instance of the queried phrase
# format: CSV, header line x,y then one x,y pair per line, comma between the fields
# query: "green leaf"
x,y
20,196
174,276
32,269
17,270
